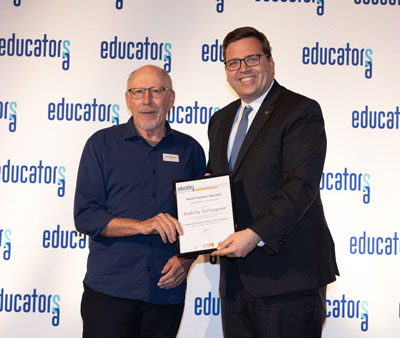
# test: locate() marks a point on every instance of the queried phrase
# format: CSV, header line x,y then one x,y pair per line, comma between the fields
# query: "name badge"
x,y
170,157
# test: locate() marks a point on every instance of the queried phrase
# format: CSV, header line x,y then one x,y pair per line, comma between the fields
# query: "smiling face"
x,y
249,82
149,114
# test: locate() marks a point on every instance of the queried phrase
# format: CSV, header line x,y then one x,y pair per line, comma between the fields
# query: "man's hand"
x,y
238,244
175,272
163,224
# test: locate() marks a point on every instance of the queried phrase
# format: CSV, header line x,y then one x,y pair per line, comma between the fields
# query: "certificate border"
x,y
205,251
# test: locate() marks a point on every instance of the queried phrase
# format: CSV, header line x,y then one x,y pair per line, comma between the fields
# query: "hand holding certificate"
x,y
205,212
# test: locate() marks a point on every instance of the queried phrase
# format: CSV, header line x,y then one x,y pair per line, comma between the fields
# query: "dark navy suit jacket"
x,y
276,190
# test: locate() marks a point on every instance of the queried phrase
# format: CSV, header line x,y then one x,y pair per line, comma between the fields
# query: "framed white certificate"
x,y
204,208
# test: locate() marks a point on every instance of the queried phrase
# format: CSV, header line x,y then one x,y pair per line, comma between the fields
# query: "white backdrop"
x,y
62,78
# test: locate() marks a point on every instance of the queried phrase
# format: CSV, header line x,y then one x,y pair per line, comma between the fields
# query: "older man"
x,y
275,268
135,284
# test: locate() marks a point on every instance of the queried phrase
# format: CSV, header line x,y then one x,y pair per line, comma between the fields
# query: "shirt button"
x,y
148,269
154,171
151,244
154,195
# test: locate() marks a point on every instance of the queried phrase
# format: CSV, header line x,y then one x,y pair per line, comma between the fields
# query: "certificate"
x,y
204,207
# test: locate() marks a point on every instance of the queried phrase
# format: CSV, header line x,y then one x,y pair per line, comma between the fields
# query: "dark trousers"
x,y
110,317
296,315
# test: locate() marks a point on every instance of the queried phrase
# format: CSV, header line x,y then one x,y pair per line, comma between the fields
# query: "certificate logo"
x,y
208,245
186,188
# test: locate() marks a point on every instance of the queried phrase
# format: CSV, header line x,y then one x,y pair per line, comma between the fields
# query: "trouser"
x,y
295,315
111,317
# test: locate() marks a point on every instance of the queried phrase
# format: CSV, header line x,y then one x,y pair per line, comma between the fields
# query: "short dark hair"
x,y
246,32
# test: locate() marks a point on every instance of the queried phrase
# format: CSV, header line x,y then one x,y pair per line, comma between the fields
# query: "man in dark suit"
x,y
275,268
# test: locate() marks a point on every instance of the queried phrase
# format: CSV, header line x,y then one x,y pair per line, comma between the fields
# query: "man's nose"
x,y
244,67
146,97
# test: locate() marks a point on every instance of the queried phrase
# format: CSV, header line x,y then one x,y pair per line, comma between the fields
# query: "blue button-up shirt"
x,y
121,175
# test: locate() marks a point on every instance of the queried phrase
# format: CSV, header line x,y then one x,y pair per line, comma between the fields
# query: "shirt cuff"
x,y
260,244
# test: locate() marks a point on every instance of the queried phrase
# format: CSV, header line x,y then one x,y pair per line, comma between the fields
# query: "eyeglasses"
x,y
250,61
155,92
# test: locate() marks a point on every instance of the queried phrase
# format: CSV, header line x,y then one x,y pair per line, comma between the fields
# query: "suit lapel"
x,y
258,123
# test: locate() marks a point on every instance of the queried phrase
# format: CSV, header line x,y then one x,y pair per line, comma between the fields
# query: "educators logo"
x,y
34,174
119,4
207,306
345,181
64,239
378,2
320,8
8,112
17,3
212,259
88,112
319,3
5,244
31,303
220,6
44,47
137,50
348,308
370,118
339,56
375,245
193,114
212,52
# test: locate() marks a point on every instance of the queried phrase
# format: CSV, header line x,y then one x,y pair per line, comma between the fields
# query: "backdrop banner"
x,y
63,72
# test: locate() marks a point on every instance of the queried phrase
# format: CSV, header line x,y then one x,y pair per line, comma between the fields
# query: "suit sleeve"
x,y
303,155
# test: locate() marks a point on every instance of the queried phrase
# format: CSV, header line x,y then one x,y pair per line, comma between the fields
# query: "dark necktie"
x,y
240,135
